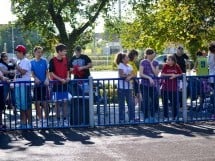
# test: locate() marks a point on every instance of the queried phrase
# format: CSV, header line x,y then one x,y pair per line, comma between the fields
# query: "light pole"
x,y
12,37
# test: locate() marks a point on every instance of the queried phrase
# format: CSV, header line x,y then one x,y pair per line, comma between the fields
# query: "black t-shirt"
x,y
83,60
181,61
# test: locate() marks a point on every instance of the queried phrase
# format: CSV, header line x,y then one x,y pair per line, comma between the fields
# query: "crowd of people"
x,y
16,76
143,91
168,85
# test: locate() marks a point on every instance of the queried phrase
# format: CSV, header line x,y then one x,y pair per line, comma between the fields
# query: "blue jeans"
x,y
126,95
150,101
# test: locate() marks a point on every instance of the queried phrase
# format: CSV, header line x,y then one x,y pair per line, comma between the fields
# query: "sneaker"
x,y
29,126
3,127
147,120
22,126
65,123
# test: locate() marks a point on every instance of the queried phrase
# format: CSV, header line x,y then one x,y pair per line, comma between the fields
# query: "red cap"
x,y
20,48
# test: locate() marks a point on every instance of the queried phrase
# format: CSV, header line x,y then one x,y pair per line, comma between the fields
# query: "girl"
x,y
149,69
169,85
125,87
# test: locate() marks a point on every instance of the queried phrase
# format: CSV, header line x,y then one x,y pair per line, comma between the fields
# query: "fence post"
x,y
91,109
184,96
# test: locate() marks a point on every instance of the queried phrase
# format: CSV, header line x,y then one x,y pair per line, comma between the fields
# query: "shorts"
x,y
60,96
40,93
60,87
23,97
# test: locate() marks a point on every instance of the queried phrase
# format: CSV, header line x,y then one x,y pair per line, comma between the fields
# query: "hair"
x,y
60,47
78,48
37,48
2,55
173,58
212,47
149,51
119,58
132,54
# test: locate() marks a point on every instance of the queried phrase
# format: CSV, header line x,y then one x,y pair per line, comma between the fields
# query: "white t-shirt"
x,y
26,65
127,69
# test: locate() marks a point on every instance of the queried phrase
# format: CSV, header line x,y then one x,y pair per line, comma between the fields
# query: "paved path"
x,y
162,142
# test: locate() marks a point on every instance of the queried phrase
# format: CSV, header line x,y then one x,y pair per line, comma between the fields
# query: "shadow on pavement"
x,y
83,135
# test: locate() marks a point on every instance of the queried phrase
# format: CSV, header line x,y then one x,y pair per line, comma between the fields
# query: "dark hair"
x,y
78,48
173,58
149,51
60,47
36,48
212,47
3,54
132,54
119,58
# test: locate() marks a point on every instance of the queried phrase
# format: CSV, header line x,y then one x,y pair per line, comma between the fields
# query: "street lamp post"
x,y
12,37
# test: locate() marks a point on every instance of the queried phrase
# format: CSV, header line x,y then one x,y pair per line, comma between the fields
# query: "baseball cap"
x,y
20,48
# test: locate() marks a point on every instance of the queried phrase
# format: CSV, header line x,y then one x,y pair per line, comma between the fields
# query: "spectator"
x,y
2,100
125,87
211,62
132,55
7,67
59,73
201,64
169,87
149,70
80,64
181,58
23,90
39,68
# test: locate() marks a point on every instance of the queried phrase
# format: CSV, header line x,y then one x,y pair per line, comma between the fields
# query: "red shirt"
x,y
170,84
59,67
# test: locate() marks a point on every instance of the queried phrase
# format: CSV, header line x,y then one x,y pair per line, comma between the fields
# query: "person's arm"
x,y
142,75
155,69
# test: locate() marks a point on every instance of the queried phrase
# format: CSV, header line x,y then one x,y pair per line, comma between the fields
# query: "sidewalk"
x,y
162,142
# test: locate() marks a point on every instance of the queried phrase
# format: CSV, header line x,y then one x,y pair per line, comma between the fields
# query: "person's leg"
x,y
173,100
146,101
121,99
165,103
131,104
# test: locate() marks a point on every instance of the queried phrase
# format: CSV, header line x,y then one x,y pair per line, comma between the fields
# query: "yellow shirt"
x,y
135,70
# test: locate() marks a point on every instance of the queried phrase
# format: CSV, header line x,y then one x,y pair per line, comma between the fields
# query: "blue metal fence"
x,y
102,102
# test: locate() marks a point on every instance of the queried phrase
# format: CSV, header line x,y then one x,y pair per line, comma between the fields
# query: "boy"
x,y
39,70
59,73
23,89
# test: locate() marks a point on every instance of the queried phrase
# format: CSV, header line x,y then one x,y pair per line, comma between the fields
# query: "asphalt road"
x,y
162,142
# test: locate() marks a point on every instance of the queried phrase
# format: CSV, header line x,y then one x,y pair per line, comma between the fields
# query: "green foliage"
x,y
69,22
161,22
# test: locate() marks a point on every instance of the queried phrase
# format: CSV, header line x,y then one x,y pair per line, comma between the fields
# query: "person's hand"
x,y
63,81
46,82
37,81
173,76
151,81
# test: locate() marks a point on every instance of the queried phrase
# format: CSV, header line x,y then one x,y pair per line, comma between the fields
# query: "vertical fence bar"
x,y
184,96
91,108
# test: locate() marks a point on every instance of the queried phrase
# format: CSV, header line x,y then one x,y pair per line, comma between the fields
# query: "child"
x,y
132,55
2,100
39,68
59,72
125,87
23,89
149,70
169,85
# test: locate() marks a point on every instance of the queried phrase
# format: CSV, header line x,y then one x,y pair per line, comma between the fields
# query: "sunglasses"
x,y
180,48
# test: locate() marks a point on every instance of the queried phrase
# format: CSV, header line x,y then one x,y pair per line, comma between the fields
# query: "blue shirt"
x,y
39,67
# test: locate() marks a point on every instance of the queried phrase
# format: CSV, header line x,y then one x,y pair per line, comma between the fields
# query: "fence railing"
x,y
106,102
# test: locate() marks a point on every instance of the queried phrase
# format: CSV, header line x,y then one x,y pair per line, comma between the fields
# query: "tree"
x,y
170,21
66,21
